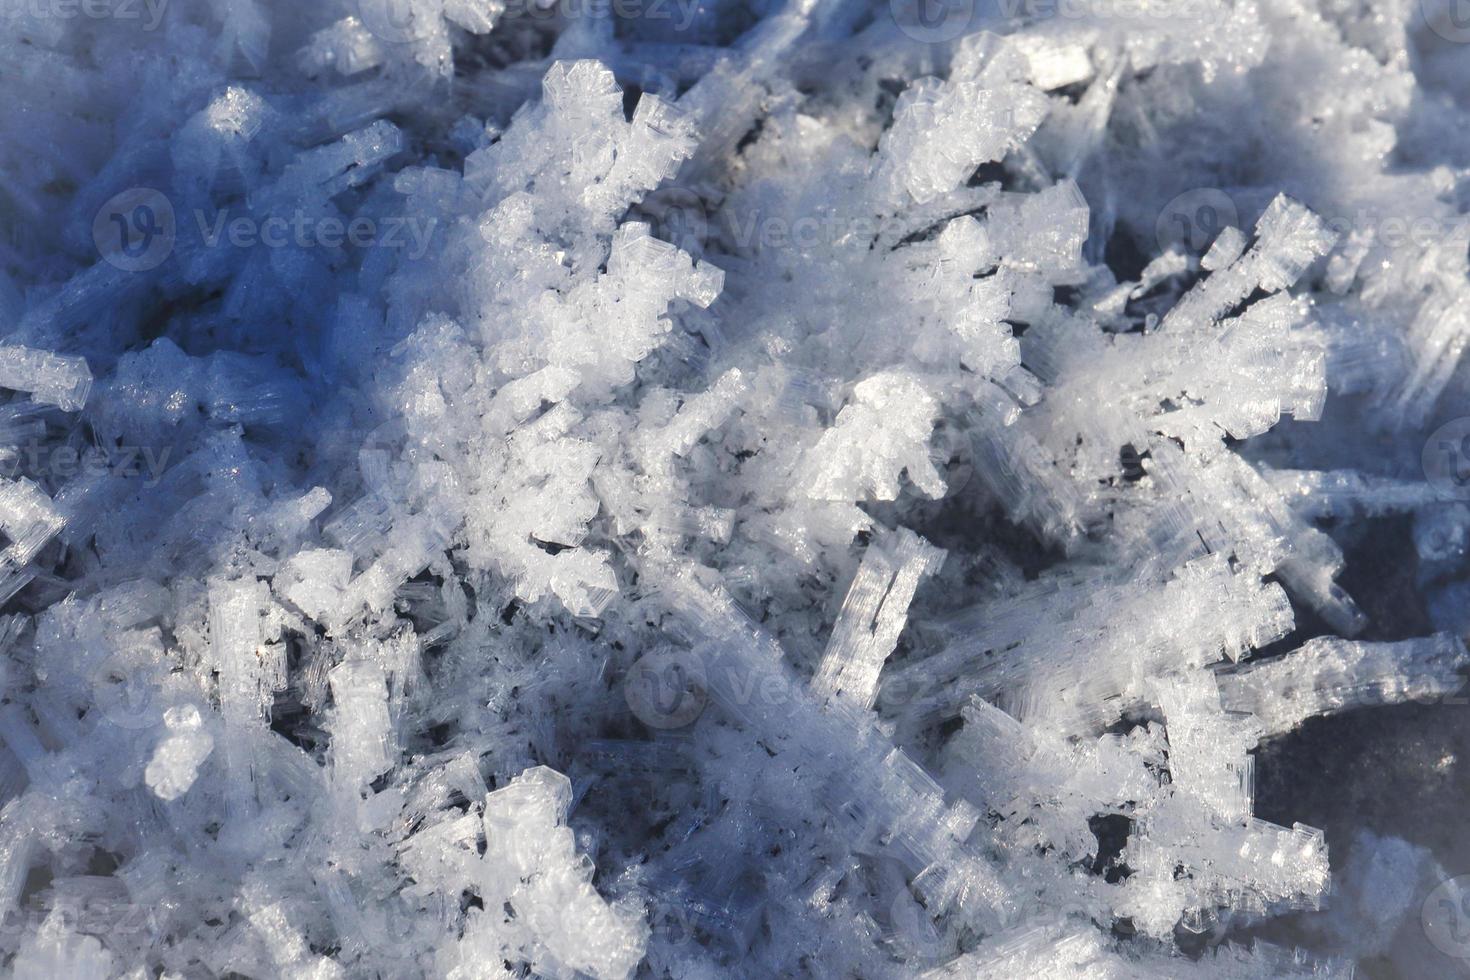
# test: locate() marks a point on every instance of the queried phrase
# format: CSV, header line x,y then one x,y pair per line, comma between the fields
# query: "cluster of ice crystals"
x,y
540,906
725,489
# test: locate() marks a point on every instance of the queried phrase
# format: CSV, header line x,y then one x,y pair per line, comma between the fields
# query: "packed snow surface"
x,y
752,488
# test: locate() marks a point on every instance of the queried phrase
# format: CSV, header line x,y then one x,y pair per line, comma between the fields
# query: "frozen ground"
x,y
917,488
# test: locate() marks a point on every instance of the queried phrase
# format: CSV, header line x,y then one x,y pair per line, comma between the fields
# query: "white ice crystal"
x,y
882,433
176,760
531,870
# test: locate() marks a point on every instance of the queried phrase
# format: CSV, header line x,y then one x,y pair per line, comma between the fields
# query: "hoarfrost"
x,y
726,489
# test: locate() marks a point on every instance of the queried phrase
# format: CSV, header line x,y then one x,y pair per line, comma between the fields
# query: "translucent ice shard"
x,y
1288,238
52,379
872,617
1207,749
878,795
1330,675
1105,641
249,671
29,519
363,743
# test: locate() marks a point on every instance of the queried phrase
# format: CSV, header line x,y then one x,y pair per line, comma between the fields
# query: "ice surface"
x,y
827,488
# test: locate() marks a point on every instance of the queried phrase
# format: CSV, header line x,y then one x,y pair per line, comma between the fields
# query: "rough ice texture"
x,y
744,489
